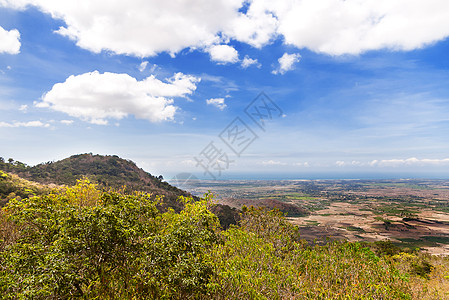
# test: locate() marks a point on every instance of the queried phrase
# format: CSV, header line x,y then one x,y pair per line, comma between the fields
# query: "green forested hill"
x,y
107,170
110,171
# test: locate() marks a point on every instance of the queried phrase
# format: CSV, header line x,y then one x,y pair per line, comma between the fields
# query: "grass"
x,y
365,209
312,222
442,209
301,198
355,228
388,221
423,241
390,210
437,239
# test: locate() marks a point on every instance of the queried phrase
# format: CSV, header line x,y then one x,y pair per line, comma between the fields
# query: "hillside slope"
x,y
109,171
12,186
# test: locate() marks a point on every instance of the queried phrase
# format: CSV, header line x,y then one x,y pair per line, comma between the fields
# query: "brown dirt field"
x,y
411,212
335,220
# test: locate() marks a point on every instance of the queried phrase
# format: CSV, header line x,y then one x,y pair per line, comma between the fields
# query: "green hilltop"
x,y
109,171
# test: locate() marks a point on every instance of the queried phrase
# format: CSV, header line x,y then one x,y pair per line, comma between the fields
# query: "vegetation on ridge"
x,y
107,170
12,186
110,172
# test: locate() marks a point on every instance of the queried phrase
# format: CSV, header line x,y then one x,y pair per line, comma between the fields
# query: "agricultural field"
x,y
410,213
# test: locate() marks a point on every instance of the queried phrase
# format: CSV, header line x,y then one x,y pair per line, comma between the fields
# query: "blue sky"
x,y
361,86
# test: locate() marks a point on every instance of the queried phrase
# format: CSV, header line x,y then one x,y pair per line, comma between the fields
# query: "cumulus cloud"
x,y
257,27
67,122
138,27
287,63
147,27
23,107
352,27
223,54
247,61
24,124
217,102
9,41
96,97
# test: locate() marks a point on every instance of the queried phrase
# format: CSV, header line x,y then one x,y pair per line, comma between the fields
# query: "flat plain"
x,y
411,213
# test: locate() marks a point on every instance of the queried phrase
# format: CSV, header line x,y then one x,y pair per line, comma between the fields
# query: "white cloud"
x,y
67,122
273,163
24,124
413,161
147,27
139,27
143,66
247,61
257,27
153,68
223,54
9,41
23,107
340,163
352,27
302,164
95,97
217,102
287,63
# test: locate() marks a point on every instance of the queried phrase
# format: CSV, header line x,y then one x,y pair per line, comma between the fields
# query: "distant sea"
x,y
323,176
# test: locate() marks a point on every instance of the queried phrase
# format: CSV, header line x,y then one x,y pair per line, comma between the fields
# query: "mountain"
x,y
110,171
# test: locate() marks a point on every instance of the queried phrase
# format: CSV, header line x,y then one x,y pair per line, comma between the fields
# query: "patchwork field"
x,y
410,213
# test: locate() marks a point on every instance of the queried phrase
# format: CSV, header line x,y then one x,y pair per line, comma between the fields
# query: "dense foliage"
x,y
12,186
85,243
109,171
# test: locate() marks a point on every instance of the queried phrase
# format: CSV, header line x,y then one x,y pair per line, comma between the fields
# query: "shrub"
x,y
82,243
263,259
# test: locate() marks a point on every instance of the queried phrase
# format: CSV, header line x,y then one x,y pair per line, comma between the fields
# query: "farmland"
x,y
410,213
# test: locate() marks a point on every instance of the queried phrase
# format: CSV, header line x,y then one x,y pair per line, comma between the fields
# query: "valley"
x,y
411,213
